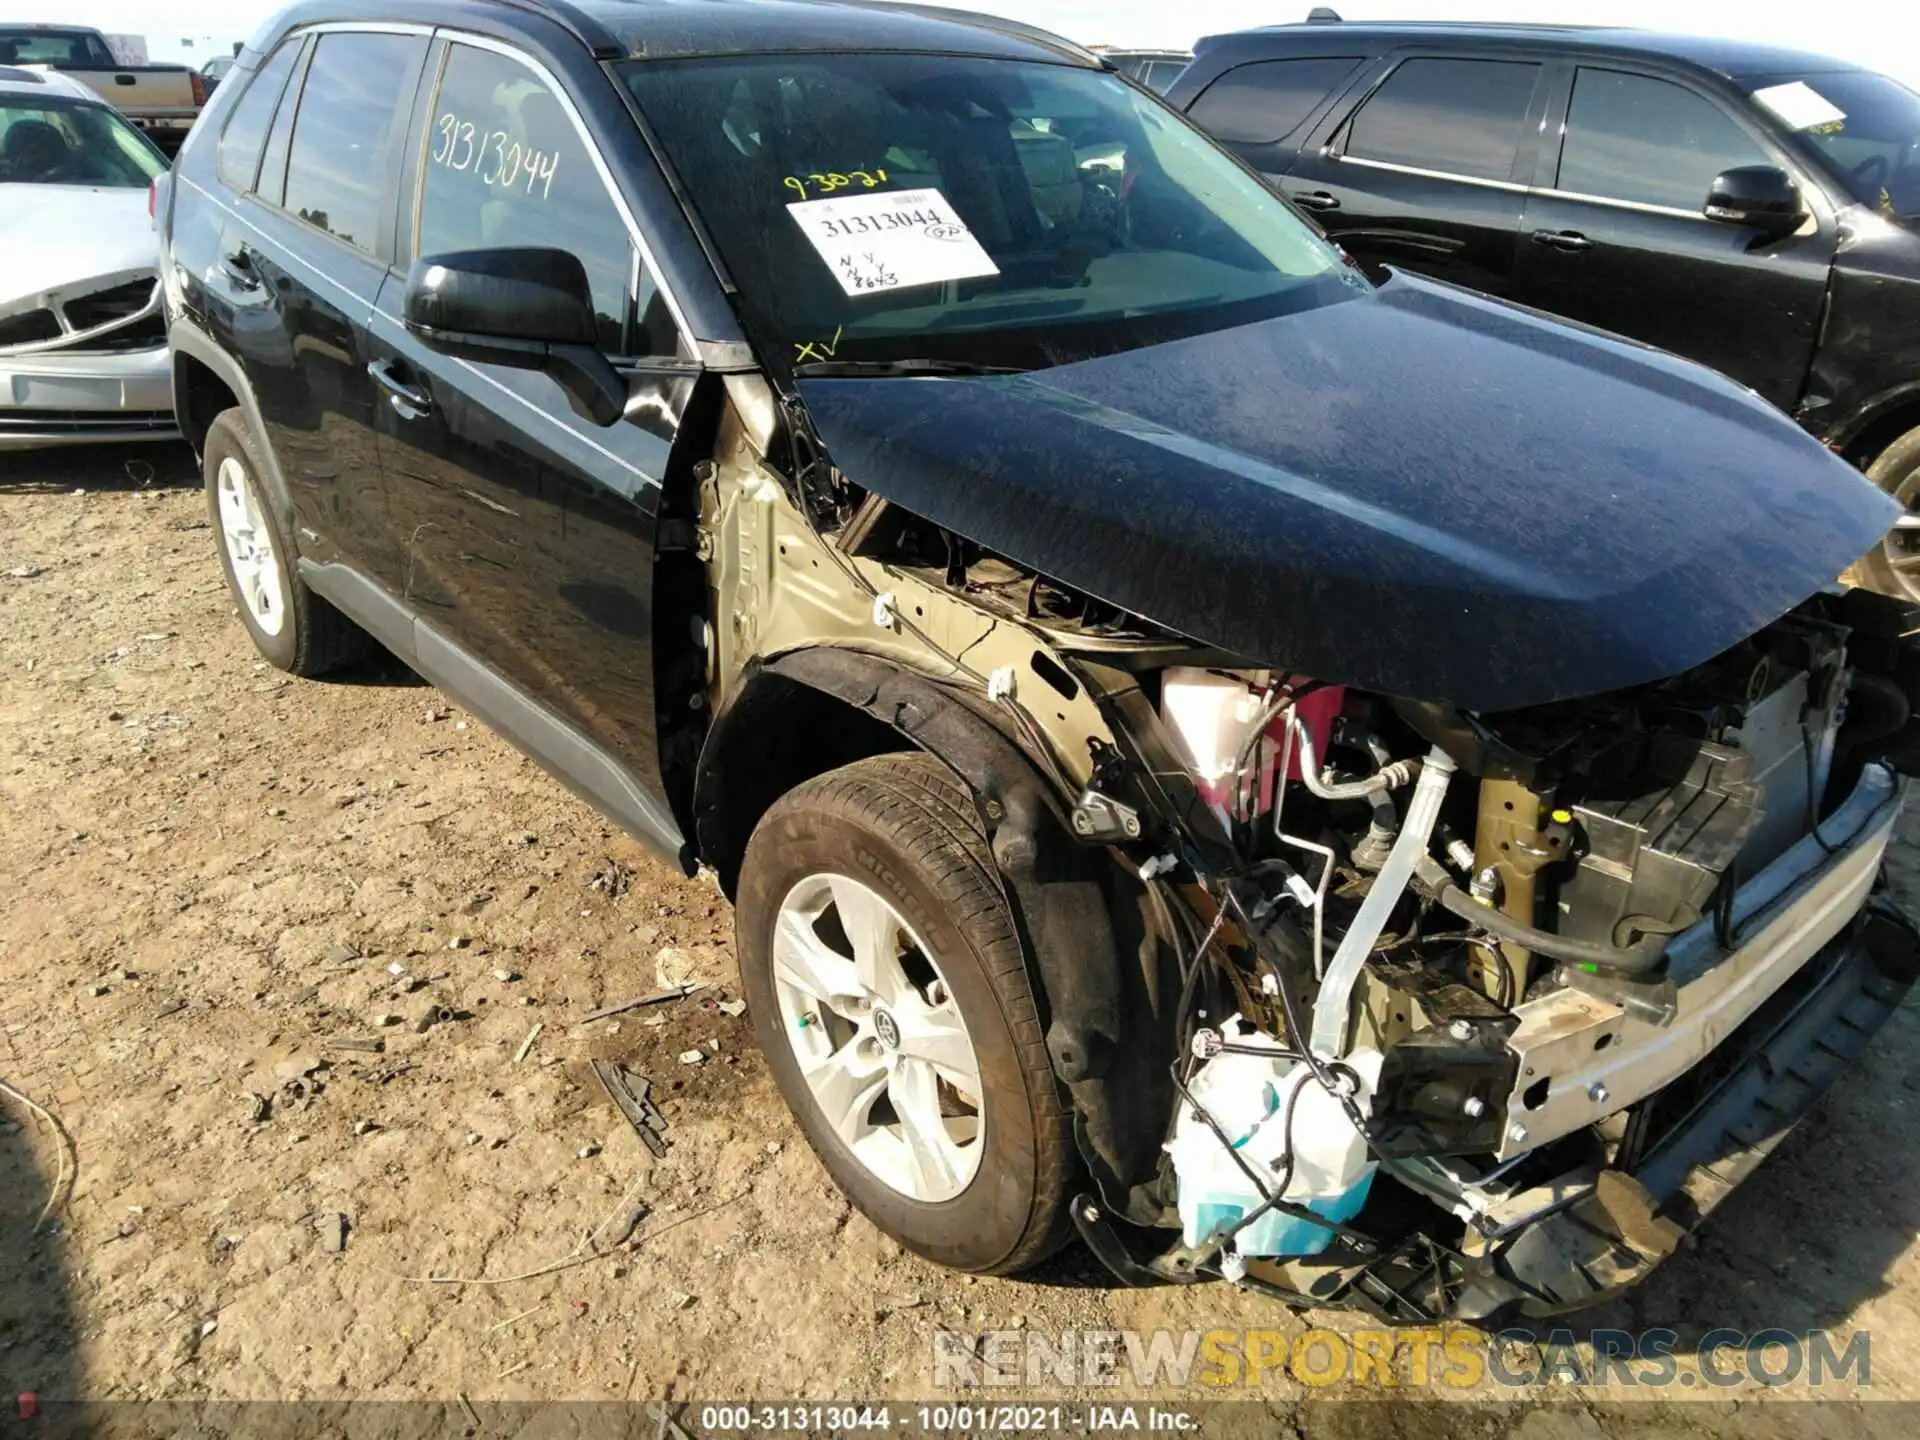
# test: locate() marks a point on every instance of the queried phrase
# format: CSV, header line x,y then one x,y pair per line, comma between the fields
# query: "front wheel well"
x,y
199,396
1864,448
779,734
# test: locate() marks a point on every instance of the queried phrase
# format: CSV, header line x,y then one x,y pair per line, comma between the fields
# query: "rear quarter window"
x,y
1263,103
240,143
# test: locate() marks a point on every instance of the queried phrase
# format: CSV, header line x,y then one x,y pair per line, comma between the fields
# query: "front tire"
x,y
892,997
291,627
1894,565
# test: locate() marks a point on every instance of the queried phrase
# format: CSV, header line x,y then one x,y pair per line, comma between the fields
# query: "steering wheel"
x,y
1872,172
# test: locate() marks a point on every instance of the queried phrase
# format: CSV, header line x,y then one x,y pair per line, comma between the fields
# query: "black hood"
x,y
1417,491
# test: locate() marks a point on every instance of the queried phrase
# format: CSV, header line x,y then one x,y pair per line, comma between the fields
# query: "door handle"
x,y
239,267
1562,239
408,401
1315,200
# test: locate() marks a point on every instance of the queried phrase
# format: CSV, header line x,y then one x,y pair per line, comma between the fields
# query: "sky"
x,y
1884,34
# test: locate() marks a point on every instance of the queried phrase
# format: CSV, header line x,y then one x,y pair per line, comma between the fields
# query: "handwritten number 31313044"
x,y
493,157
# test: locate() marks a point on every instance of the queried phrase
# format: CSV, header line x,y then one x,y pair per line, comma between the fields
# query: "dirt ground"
x,y
210,872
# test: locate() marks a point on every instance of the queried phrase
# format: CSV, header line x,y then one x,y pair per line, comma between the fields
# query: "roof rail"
x,y
1017,29
1323,15
584,27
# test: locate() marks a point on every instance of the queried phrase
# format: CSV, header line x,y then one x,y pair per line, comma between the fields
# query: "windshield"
x,y
53,47
50,142
1865,127
879,208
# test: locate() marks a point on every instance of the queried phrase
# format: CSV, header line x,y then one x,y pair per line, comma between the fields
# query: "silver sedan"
x,y
83,341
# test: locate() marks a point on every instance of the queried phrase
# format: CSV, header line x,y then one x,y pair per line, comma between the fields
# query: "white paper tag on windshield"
x,y
1800,106
892,240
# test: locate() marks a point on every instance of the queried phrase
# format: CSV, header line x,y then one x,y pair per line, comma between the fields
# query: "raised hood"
x,y
1418,491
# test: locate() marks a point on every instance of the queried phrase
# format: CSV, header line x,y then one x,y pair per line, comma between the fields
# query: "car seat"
x,y
34,151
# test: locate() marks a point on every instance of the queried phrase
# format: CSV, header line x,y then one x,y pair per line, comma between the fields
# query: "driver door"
x,y
1615,235
529,530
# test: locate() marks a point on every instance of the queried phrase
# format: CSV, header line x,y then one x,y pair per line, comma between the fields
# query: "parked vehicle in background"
x,y
127,49
215,69
1753,208
163,100
83,342
1155,69
1190,734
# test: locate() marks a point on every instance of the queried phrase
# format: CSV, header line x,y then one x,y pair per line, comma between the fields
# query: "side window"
x,y
1632,137
338,167
1160,74
1265,102
238,157
272,184
505,167
1464,117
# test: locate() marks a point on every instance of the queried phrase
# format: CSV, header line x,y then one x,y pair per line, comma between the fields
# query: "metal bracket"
x,y
1101,819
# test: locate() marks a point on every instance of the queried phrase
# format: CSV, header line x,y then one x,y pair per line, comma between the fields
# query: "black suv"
x,y
1189,732
1753,208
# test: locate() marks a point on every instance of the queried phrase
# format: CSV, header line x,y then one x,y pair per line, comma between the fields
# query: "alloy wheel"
x,y
243,529
879,1040
1902,546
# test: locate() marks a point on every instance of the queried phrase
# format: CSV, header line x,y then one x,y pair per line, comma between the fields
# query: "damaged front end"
x,y
1365,998
1490,1011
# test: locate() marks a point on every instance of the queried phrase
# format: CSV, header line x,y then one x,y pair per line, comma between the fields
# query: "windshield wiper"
x,y
890,369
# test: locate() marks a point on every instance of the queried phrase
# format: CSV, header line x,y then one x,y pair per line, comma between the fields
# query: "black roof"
x,y
1735,59
675,29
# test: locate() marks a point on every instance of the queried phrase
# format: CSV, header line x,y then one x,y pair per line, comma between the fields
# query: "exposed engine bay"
x,y
1432,912
1426,978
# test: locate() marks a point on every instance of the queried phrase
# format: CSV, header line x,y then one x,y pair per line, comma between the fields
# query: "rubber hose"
x,y
1389,778
1643,957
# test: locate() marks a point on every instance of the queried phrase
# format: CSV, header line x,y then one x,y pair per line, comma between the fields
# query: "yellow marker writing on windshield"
x,y
827,184
818,349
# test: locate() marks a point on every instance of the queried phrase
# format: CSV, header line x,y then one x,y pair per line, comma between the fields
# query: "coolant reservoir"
x,y
1247,1096
1213,715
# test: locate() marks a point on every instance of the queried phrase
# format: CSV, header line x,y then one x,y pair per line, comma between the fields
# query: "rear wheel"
x,y
291,627
891,996
1894,565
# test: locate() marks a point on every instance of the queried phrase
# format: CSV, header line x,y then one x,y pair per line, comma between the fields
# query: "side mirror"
x,y
531,309
1764,197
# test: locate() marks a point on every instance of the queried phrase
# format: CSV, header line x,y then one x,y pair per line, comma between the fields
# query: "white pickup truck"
x,y
163,100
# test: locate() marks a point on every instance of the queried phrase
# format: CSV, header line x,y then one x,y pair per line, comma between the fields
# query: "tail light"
x,y
199,87
153,199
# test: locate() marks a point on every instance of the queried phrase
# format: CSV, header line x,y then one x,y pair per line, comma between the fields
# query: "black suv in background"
x,y
1753,208
1155,69
891,459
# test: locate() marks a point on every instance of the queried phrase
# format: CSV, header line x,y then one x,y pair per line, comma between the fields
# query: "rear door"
x,y
530,531
1429,170
1617,238
303,255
